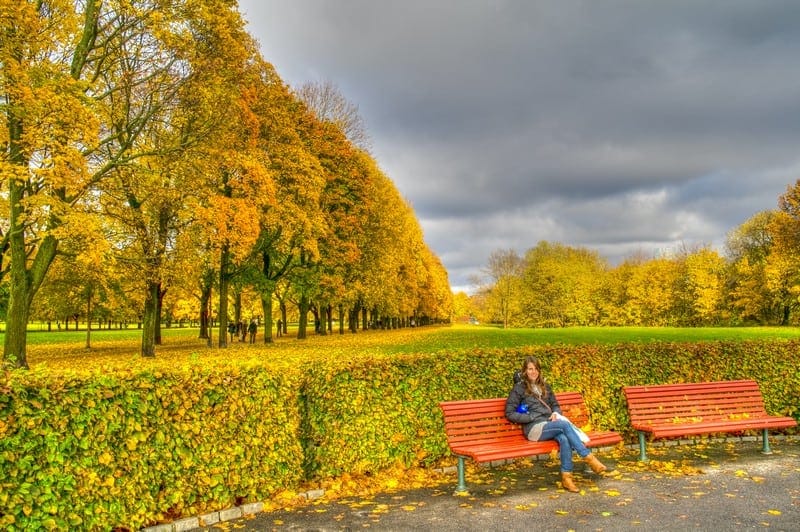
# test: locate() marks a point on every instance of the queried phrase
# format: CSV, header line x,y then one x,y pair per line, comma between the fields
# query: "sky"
x,y
626,127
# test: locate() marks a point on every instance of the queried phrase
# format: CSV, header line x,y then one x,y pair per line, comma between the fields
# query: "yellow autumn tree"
x,y
187,58
49,133
748,247
289,228
702,287
783,268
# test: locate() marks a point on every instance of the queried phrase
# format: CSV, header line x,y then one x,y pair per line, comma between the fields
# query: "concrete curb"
x,y
228,514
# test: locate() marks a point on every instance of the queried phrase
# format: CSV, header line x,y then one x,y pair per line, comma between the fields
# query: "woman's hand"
x,y
553,417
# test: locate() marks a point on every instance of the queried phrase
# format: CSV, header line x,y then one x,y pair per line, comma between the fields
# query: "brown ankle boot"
x,y
595,464
568,483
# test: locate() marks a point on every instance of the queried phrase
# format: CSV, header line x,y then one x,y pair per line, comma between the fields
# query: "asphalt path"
x,y
714,486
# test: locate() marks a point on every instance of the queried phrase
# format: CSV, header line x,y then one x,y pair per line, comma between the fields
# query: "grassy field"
x,y
465,336
121,347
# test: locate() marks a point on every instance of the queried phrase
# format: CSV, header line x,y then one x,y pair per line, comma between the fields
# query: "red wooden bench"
x,y
478,429
673,410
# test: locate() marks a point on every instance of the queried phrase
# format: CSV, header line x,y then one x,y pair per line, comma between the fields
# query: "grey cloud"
x,y
622,126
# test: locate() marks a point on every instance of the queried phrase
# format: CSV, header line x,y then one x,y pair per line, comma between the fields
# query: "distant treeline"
x,y
756,282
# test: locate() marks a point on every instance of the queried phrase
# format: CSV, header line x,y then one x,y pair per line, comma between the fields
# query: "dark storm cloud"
x,y
622,126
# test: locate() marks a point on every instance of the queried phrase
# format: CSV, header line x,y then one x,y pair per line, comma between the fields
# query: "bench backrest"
x,y
694,402
484,420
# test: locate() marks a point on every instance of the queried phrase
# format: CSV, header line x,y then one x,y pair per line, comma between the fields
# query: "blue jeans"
x,y
567,440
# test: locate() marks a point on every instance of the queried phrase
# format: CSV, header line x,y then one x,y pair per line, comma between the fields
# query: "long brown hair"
x,y
539,382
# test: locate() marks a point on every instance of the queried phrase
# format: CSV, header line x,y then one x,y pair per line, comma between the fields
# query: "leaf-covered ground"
x,y
120,349
705,486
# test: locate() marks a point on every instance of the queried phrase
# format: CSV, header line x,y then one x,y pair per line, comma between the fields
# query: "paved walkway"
x,y
717,486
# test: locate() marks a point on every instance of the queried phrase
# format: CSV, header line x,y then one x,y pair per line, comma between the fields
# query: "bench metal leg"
x,y
462,484
642,452
765,442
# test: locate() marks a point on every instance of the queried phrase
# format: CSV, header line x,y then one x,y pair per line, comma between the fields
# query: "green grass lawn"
x,y
40,336
466,336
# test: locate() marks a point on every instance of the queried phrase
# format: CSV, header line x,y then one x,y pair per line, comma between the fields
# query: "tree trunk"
x,y
266,308
24,283
320,321
237,306
209,342
15,342
354,314
89,318
303,321
341,318
204,315
149,319
159,308
205,299
224,280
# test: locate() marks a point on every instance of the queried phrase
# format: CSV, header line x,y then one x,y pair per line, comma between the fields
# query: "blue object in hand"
x,y
523,408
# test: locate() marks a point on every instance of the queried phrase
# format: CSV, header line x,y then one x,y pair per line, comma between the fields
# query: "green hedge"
x,y
129,449
372,413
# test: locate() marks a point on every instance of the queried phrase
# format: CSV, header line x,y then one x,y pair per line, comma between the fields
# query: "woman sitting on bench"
x,y
532,404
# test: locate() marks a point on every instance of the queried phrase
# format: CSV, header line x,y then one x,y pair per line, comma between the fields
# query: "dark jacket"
x,y
537,412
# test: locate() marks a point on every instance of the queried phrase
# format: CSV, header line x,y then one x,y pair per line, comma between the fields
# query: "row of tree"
x,y
756,281
150,155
